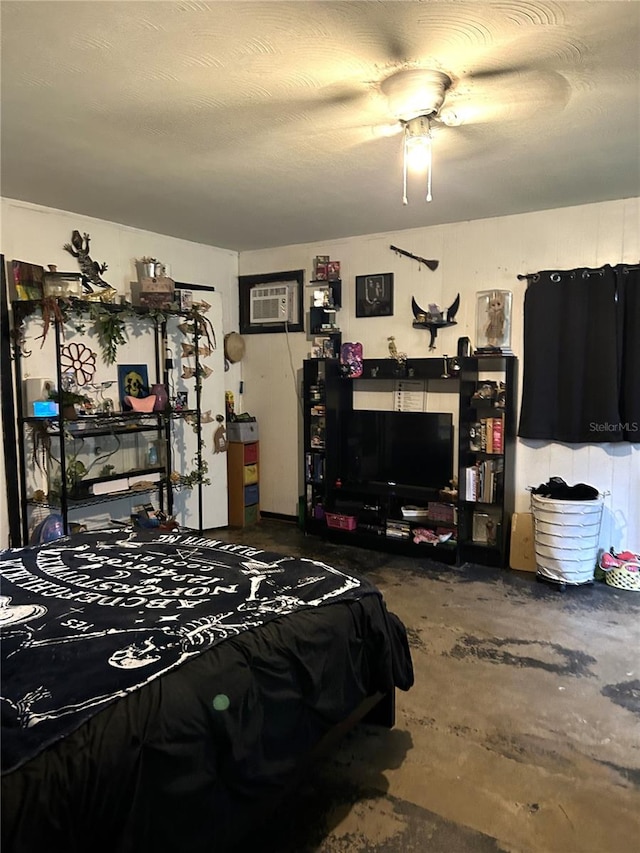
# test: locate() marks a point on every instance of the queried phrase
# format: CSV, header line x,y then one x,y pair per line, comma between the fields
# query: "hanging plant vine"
x,y
188,481
52,312
41,445
110,329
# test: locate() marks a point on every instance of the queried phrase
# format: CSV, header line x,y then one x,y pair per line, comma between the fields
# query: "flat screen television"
x,y
398,448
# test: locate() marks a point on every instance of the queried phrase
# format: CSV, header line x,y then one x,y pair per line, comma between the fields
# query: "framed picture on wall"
x,y
133,381
26,280
374,295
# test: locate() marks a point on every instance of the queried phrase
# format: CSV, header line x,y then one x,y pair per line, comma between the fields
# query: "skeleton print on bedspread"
x,y
122,610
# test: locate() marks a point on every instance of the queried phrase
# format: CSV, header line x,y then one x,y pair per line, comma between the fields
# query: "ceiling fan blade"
x,y
395,48
498,72
507,96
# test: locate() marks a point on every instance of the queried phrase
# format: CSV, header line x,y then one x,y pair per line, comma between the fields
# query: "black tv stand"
x,y
470,526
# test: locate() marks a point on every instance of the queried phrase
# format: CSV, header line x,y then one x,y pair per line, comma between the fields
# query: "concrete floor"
x,y
521,734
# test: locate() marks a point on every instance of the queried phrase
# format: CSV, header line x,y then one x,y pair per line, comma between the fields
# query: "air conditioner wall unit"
x,y
270,304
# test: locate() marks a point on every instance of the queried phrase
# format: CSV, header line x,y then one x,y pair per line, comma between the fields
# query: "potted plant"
x,y
68,401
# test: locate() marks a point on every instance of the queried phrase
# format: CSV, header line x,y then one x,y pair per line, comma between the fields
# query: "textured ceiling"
x,y
246,125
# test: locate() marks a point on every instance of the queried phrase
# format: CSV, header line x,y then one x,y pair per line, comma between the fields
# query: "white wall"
x,y
473,256
36,234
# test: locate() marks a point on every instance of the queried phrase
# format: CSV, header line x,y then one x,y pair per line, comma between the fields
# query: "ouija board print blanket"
x,y
87,619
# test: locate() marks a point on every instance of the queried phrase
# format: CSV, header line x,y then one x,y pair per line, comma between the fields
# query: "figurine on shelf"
x,y
486,391
493,322
494,329
435,318
91,270
400,357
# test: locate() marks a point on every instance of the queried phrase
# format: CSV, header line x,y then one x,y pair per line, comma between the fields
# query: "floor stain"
x,y
527,749
521,757
626,694
631,774
512,652
415,639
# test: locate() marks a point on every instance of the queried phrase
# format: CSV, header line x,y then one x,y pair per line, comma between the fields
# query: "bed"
x,y
164,691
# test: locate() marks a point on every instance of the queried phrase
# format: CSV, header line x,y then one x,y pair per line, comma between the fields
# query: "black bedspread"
x,y
86,620
187,761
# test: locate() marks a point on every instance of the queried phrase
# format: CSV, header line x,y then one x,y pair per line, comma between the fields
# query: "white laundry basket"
x,y
566,536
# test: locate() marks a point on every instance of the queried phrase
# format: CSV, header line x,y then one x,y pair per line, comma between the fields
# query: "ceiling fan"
x,y
416,92
418,99
415,98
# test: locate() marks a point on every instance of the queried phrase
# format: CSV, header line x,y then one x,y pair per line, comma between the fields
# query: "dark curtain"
x,y
629,301
581,381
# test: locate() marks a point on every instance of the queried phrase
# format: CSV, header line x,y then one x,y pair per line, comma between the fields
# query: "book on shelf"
x,y
151,477
320,265
108,486
487,435
483,481
124,484
471,483
333,270
497,426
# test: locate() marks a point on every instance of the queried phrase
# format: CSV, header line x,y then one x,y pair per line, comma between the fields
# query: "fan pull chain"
x,y
405,200
429,164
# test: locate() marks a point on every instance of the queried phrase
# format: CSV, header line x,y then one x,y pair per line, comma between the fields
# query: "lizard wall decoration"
x,y
91,270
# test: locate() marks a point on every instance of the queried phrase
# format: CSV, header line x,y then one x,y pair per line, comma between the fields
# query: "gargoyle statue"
x,y
435,318
91,270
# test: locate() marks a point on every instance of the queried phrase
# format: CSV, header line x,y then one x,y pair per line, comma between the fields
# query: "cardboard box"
x,y
522,553
162,284
152,293
242,431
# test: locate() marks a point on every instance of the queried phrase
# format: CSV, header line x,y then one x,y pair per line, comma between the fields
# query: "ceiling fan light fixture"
x,y
451,118
417,153
415,92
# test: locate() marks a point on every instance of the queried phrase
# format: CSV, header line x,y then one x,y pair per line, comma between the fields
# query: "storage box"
x,y
242,431
251,514
522,552
250,474
340,522
62,284
251,454
251,495
441,512
161,284
161,294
